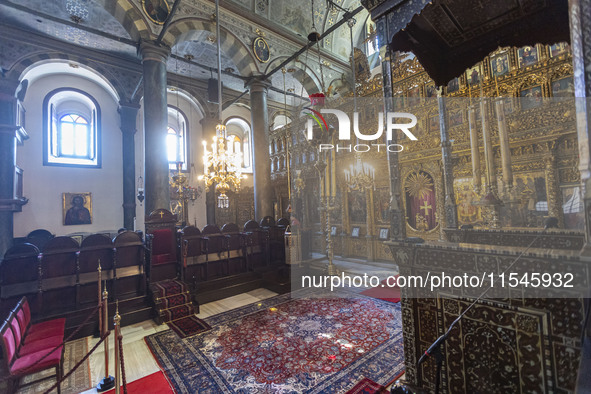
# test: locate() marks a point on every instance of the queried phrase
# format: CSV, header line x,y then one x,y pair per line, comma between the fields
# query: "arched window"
x,y
71,129
176,139
238,141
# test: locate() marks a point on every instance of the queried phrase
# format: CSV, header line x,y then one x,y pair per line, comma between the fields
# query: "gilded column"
x,y
370,222
208,124
397,215
504,142
474,149
451,209
555,208
263,190
491,172
157,190
128,117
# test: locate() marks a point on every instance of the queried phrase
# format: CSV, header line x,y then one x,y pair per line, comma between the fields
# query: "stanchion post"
x,y
108,381
98,285
117,328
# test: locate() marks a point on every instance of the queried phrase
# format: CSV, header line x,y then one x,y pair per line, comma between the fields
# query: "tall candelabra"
x,y
184,193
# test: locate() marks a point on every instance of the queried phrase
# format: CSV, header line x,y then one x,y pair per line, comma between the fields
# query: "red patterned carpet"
x,y
155,383
284,345
384,292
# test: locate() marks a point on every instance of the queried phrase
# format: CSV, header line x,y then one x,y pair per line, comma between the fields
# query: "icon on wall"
x,y
261,49
77,208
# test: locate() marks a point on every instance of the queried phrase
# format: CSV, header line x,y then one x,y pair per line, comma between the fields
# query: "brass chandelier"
x,y
220,166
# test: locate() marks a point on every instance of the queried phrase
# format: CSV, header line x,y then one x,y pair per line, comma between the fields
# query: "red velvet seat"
x,y
163,248
19,365
32,346
34,332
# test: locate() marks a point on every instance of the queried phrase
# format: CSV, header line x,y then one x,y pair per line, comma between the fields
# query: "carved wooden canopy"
x,y
449,36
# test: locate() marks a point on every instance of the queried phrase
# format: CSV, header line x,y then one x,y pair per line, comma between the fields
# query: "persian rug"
x,y
287,345
155,383
168,287
368,386
384,292
188,326
75,383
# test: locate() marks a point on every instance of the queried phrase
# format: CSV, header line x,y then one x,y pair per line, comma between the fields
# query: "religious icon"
x,y
563,87
420,201
468,213
453,85
455,118
527,56
499,65
430,91
531,97
558,49
76,208
355,232
473,75
384,233
156,10
261,49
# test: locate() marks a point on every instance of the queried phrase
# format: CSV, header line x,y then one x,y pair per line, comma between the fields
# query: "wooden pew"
x,y
257,245
19,276
129,264
59,261
94,248
194,258
216,250
236,248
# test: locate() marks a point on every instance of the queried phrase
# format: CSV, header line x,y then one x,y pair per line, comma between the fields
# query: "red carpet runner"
x,y
155,383
368,386
384,292
172,301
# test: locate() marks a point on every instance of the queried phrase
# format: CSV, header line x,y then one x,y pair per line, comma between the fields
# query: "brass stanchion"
x,y
98,286
117,328
108,381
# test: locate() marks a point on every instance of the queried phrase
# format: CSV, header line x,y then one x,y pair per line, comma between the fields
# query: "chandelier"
x,y
222,168
360,175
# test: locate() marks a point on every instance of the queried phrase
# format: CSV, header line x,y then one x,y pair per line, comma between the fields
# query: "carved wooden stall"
x,y
507,342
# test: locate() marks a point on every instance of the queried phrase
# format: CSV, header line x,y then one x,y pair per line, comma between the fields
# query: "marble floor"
x,y
139,362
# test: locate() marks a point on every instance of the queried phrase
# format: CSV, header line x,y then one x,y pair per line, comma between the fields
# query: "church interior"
x,y
194,197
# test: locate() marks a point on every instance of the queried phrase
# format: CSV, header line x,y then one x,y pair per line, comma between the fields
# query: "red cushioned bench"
x,y
29,349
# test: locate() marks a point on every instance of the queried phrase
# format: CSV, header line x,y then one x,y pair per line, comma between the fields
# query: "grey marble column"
x,y
397,215
263,190
580,31
128,117
10,133
157,190
451,209
208,125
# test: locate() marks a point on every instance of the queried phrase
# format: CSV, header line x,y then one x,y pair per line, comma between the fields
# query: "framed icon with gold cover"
x,y
156,10
260,48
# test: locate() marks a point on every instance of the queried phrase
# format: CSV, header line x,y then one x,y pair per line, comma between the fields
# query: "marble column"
x,y
128,117
157,190
397,215
11,133
208,125
263,190
451,209
580,31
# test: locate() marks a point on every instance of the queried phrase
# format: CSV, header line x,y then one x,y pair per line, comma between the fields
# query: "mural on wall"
x,y
421,209
528,204
468,213
357,206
